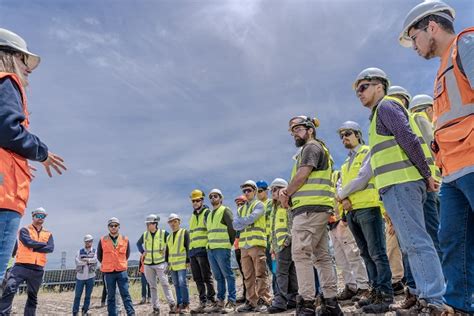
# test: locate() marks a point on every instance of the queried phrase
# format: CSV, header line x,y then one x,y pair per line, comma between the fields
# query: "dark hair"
x,y
444,23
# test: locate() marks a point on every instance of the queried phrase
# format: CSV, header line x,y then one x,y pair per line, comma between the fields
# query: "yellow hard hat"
x,y
196,194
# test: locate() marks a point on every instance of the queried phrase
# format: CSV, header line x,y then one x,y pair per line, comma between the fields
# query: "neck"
x,y
217,206
444,43
176,229
37,226
153,230
114,235
377,101
87,248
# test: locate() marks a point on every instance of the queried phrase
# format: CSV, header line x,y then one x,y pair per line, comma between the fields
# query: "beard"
x,y
299,142
432,50
348,145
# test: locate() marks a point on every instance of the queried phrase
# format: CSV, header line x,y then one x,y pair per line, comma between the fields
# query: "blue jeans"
x,y
431,214
367,226
180,282
120,279
9,223
269,261
404,204
145,287
456,237
220,266
80,284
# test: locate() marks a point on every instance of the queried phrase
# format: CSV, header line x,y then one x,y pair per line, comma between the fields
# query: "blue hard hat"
x,y
262,184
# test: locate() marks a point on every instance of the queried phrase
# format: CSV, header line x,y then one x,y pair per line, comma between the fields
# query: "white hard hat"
x,y
278,183
152,218
419,12
421,101
217,191
113,220
350,125
39,210
173,216
12,41
88,238
370,74
399,90
249,183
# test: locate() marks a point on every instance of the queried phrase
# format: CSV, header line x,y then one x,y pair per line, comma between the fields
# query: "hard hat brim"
x,y
33,60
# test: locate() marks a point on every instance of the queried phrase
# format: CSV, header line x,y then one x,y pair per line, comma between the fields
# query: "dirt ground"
x,y
51,303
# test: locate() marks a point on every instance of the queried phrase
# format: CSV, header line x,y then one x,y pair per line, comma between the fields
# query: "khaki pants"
x,y
394,255
254,265
310,248
154,272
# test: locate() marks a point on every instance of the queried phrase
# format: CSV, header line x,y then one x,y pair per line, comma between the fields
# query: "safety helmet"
x,y
262,184
350,125
217,191
370,74
249,183
278,183
88,238
13,42
421,101
152,218
393,90
240,198
303,120
196,194
113,220
173,216
39,210
421,11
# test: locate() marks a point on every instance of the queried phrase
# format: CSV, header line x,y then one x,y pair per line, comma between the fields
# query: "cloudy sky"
x,y
147,100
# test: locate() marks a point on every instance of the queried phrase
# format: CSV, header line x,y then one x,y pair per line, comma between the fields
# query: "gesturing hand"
x,y
55,162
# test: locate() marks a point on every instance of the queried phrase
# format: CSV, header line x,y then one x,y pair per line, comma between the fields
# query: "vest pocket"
x,y
441,98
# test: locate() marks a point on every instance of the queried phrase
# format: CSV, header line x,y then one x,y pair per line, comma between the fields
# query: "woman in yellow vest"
x,y
178,261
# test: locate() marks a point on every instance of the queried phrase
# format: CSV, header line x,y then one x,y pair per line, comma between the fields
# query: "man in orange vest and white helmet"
x,y
17,144
113,252
428,28
34,243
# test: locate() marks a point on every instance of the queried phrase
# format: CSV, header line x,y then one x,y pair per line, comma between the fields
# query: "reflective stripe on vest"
x,y
279,225
15,174
114,257
389,161
369,197
177,251
198,230
268,211
254,234
318,189
27,255
217,235
155,246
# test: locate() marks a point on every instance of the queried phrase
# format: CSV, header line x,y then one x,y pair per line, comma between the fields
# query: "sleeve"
x,y
99,251
240,223
186,244
128,249
227,220
79,261
140,244
48,248
466,56
360,182
15,249
28,242
13,135
310,156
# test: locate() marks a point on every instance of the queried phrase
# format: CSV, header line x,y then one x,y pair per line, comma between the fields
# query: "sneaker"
x,y
329,307
346,294
199,309
216,307
184,309
229,308
361,294
174,309
398,288
304,308
247,308
408,302
367,300
240,300
380,305
274,310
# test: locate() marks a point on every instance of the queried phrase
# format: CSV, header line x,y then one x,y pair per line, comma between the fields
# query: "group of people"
x,y
385,195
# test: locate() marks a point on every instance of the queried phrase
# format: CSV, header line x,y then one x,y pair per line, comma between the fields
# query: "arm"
x,y
13,135
140,244
28,242
99,251
186,244
227,220
48,248
240,223
359,183
299,179
311,155
426,128
466,56
79,260
128,249
93,260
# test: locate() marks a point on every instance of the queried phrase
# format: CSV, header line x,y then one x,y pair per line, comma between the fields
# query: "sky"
x,y
148,100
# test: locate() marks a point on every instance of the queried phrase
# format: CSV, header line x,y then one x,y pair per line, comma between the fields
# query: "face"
x,y
423,42
249,192
114,228
349,138
215,199
300,134
262,194
429,112
367,92
151,226
20,60
88,244
174,224
197,204
275,193
239,203
38,219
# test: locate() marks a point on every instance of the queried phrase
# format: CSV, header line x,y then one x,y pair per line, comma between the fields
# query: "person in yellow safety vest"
x,y
178,260
251,223
402,168
280,243
34,243
429,29
220,238
311,196
239,202
360,200
200,267
152,244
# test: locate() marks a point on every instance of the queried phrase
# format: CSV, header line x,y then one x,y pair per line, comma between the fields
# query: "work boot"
x,y
199,309
426,309
380,305
367,300
143,301
346,294
304,308
329,307
408,302
174,309
262,307
184,309
275,309
240,300
156,311
361,295
216,307
247,308
398,288
229,308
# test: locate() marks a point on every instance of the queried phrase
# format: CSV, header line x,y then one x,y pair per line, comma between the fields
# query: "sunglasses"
x,y
276,189
246,191
40,216
261,190
240,204
364,87
214,196
346,134
113,226
196,201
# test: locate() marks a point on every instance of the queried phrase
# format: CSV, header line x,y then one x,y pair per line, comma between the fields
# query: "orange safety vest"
x,y
114,258
142,266
15,175
27,255
453,111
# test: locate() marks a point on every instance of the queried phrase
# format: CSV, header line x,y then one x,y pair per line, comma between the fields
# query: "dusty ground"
x,y
50,303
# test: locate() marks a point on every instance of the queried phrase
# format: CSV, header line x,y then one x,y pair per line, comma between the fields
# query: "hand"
x,y
346,204
55,162
32,170
390,229
284,198
433,185
338,199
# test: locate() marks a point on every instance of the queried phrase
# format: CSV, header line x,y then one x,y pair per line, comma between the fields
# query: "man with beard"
x,y
310,194
428,28
402,168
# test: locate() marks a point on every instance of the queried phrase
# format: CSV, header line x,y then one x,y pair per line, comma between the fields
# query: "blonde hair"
x,y
8,63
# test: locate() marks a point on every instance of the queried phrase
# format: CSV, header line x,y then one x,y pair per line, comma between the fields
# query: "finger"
x,y
56,168
57,157
59,163
48,171
33,168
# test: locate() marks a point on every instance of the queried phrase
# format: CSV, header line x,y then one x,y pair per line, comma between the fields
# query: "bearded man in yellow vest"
x,y
429,29
34,243
310,194
403,172
251,223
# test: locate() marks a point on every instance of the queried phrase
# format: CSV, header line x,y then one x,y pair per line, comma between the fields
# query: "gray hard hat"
x,y
88,238
12,41
249,183
370,74
173,216
152,218
399,90
421,101
113,220
350,125
39,210
216,191
278,183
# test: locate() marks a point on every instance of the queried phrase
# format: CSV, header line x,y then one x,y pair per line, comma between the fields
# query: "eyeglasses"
x,y
22,57
113,226
276,189
346,134
214,196
196,201
40,216
240,204
414,36
246,191
297,129
364,87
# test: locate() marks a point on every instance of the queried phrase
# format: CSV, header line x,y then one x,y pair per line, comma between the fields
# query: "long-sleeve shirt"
x,y
100,251
13,135
141,242
186,244
466,56
362,179
36,246
86,263
240,223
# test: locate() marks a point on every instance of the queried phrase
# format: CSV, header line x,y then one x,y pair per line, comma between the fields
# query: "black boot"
x,y
380,306
329,307
304,308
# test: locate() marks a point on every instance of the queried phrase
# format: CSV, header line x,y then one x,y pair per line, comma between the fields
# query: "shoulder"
x,y
390,108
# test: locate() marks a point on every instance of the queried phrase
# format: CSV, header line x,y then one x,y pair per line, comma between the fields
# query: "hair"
x,y
444,23
8,63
